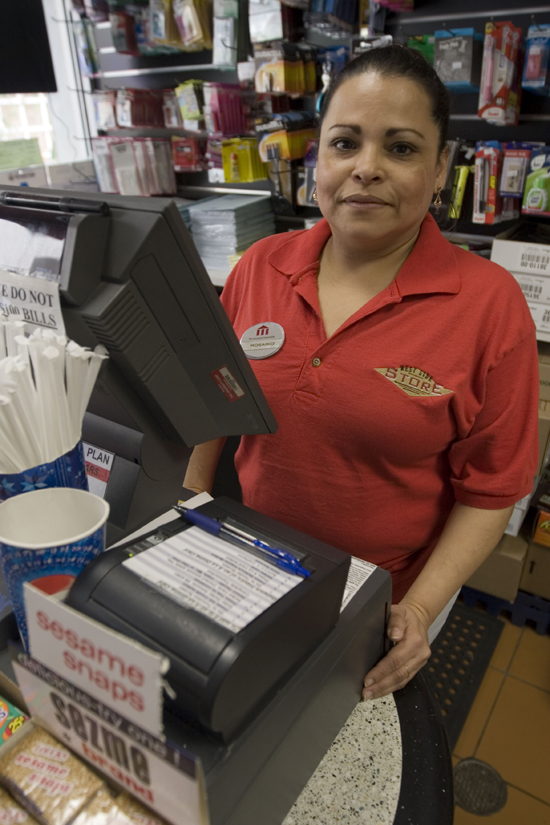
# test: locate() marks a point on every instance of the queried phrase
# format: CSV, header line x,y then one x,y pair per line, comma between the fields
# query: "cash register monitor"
x,y
131,279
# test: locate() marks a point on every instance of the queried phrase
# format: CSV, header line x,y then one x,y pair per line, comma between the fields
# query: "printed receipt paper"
x,y
214,577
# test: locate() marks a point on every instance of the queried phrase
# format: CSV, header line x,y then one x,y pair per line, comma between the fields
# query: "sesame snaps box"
x,y
46,779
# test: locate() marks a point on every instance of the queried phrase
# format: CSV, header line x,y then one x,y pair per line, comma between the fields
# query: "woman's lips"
x,y
364,202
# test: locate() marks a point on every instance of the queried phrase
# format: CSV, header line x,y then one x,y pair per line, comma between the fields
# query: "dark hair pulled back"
x,y
398,61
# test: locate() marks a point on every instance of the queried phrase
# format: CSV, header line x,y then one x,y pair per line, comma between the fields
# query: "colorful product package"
x,y
542,529
457,58
306,184
46,779
289,132
501,51
536,196
459,189
536,70
188,154
487,201
425,44
11,719
515,166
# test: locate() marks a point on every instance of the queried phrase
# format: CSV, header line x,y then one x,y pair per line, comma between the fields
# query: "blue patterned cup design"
x,y
47,537
68,470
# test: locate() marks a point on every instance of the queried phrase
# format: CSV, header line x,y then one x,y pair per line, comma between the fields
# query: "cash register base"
x,y
256,779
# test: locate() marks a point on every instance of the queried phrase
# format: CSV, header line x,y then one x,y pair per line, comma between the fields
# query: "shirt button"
x,y
316,362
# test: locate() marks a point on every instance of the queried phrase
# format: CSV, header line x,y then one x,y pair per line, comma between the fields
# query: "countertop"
x,y
389,765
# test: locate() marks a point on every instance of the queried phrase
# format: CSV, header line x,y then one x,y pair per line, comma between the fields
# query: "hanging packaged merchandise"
x,y
306,183
140,108
536,197
241,161
487,201
501,56
461,175
191,18
190,102
86,49
265,21
103,164
97,10
225,32
125,167
360,43
223,109
214,160
457,58
104,110
425,44
308,55
289,132
163,29
188,154
123,32
171,110
344,13
536,71
515,166
279,68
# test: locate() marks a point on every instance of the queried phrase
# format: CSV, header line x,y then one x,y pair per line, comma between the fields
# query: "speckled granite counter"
x,y
359,779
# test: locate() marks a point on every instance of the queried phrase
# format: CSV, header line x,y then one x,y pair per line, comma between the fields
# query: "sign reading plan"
x,y
35,301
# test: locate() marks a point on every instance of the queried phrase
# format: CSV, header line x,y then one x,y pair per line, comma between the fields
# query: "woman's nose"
x,y
369,165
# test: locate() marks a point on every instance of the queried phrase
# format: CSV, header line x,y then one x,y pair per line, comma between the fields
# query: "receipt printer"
x,y
220,677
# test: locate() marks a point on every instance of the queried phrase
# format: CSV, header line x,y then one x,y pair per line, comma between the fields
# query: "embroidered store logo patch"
x,y
413,381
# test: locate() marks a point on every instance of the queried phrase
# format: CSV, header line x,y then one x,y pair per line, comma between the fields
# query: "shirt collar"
x,y
431,266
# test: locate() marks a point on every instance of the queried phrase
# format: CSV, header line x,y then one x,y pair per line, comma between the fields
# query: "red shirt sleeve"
x,y
494,466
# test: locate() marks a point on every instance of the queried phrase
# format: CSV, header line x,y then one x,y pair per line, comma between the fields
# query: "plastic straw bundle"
x,y
45,385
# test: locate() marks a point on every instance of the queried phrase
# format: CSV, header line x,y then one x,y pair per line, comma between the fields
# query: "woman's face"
x,y
378,165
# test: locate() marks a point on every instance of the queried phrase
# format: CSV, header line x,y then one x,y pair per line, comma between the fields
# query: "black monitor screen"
x,y
131,280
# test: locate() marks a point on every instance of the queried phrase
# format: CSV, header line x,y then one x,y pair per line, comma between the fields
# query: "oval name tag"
x,y
262,340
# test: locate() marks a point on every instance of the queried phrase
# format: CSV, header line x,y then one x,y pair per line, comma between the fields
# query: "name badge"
x,y
262,340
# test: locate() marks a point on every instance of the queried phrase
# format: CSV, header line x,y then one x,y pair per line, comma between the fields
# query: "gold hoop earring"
x,y
314,196
437,201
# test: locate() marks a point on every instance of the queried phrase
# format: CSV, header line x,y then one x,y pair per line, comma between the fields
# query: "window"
x,y
24,116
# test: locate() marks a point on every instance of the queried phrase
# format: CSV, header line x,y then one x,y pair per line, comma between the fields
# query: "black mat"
x,y
460,656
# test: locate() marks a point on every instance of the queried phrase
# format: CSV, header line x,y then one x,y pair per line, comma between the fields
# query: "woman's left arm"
x,y
468,538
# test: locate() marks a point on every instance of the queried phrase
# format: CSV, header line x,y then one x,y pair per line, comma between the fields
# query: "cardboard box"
x,y
535,577
516,520
500,574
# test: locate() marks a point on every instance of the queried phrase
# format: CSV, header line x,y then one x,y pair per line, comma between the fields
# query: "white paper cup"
x,y
48,535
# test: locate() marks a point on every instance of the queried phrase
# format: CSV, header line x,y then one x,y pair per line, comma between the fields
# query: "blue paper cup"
x,y
68,470
47,537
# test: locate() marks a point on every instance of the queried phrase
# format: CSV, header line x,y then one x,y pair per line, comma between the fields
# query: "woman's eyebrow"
x,y
397,130
351,126
389,132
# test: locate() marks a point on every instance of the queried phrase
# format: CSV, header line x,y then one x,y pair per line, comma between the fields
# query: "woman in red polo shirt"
x,y
406,389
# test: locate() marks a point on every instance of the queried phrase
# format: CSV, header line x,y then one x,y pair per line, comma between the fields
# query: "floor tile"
x,y
479,713
531,660
520,809
506,646
515,741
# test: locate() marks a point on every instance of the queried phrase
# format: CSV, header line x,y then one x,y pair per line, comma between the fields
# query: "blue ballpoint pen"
x,y
283,559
